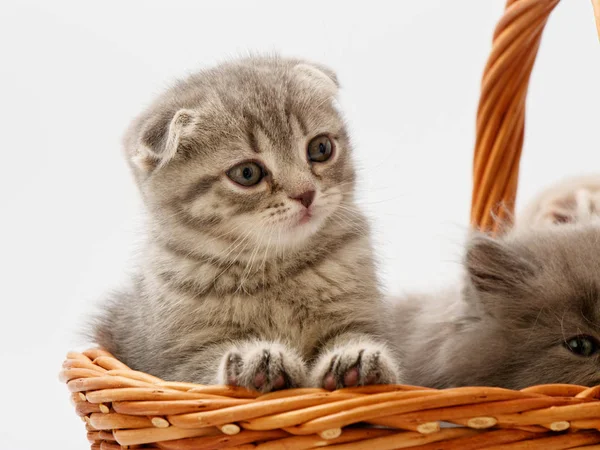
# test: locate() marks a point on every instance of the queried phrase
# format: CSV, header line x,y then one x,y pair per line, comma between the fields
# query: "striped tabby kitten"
x,y
258,269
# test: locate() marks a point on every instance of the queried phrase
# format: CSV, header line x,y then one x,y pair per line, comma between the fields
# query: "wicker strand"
x,y
596,4
154,413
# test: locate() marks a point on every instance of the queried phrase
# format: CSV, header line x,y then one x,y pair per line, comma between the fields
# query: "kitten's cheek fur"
x,y
263,366
355,364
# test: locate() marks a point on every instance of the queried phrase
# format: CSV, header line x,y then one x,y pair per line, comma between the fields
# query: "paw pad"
x,y
264,367
354,366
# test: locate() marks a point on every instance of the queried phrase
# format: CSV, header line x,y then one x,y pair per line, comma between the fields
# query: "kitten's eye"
x,y
320,149
583,345
246,173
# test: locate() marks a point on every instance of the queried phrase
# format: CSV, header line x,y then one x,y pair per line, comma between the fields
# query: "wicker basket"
x,y
123,408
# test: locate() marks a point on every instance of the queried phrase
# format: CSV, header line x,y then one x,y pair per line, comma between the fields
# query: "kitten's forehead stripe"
x,y
291,114
274,119
301,123
252,142
253,122
287,108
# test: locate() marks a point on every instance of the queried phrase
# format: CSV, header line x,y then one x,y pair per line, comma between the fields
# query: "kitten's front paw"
x,y
262,366
355,364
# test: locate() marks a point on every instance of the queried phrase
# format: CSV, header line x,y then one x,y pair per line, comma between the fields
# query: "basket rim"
x,y
126,407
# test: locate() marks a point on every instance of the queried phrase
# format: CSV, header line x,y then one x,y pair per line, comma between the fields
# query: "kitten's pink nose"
x,y
306,198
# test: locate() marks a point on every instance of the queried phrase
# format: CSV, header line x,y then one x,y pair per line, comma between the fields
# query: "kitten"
x,y
528,312
575,199
258,269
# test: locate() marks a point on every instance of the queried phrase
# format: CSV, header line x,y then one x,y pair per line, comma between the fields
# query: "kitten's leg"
x,y
261,365
353,359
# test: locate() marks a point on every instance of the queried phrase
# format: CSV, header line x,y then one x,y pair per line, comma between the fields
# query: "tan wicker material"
x,y
596,4
123,408
501,113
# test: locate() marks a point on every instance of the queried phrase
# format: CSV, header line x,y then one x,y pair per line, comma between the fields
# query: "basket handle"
x,y
501,111
596,4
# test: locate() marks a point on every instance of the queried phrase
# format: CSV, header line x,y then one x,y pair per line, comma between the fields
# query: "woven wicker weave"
x,y
123,408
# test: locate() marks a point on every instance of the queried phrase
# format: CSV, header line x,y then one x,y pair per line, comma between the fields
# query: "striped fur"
x,y
231,288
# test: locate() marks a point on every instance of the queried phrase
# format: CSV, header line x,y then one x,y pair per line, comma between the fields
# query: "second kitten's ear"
x,y
494,266
160,139
317,76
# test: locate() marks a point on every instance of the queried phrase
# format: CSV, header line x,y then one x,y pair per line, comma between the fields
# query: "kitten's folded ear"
x,y
316,76
160,138
494,266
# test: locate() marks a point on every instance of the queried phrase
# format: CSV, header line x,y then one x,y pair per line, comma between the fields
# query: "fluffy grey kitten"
x,y
528,312
258,269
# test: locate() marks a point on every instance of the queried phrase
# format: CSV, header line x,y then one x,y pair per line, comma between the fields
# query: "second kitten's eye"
x,y
246,174
583,345
320,149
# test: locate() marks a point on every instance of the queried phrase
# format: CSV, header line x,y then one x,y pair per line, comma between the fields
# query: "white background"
x,y
72,74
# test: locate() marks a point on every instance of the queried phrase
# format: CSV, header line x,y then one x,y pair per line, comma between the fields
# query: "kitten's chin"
x,y
292,232
306,226
298,231
305,217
